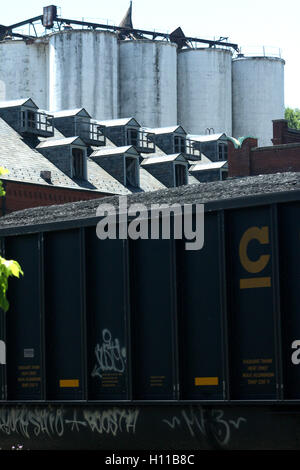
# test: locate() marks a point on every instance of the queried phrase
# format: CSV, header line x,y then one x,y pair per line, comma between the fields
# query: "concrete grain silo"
x,y
258,96
83,72
24,70
205,90
148,82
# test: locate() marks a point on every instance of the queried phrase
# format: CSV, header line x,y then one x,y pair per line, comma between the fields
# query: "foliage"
x,y
7,267
293,117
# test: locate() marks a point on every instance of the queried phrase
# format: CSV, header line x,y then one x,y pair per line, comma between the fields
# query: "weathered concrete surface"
x,y
148,82
204,90
83,72
258,96
24,71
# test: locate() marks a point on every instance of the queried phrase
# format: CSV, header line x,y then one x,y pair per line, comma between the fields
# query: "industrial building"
x,y
247,158
67,156
160,79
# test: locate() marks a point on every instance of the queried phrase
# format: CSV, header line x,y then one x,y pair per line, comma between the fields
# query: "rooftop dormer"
x,y
25,117
78,122
173,140
127,131
170,170
123,163
214,146
69,155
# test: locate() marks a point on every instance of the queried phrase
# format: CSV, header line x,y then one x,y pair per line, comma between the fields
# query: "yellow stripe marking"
x,y
253,282
69,383
199,381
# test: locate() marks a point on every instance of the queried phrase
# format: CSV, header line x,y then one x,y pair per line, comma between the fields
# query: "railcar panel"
x,y
23,323
251,304
152,319
289,236
200,320
63,311
106,296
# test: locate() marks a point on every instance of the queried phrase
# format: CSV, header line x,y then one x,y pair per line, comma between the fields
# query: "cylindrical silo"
x,y
148,82
24,71
258,96
83,72
205,90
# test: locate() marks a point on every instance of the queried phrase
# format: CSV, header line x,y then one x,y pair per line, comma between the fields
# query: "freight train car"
x,y
144,344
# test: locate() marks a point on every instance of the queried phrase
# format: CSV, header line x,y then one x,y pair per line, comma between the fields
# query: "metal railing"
x,y
141,140
90,131
193,149
36,122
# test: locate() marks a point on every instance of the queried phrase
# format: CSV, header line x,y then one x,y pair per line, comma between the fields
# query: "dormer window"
x,y
77,163
180,174
179,144
132,137
29,119
223,151
132,172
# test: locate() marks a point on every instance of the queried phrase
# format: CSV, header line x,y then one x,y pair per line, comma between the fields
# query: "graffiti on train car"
x,y
215,422
110,355
29,422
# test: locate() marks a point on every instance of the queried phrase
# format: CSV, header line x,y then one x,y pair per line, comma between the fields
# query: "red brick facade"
x,y
250,160
25,195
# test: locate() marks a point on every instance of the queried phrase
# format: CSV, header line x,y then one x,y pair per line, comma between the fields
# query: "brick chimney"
x,y
239,158
280,128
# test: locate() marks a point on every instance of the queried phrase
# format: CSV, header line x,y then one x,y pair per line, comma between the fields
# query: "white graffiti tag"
x,y
199,421
110,356
29,423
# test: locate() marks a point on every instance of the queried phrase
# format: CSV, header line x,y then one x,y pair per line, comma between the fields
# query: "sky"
x,y
252,24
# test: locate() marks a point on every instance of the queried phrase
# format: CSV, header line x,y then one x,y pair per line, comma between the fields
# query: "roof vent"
x,y
46,175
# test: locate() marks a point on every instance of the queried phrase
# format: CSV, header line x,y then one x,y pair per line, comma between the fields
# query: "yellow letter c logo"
x,y
254,233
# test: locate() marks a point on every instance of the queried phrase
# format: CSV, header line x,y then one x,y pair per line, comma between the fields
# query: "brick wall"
x,y
25,195
250,160
282,134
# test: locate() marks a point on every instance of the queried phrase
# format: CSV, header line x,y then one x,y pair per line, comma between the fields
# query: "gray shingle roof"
x,y
58,142
206,137
15,103
163,130
25,164
162,159
198,166
190,194
68,112
104,151
117,122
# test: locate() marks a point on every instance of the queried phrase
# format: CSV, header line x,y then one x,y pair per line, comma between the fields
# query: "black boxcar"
x,y
124,344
